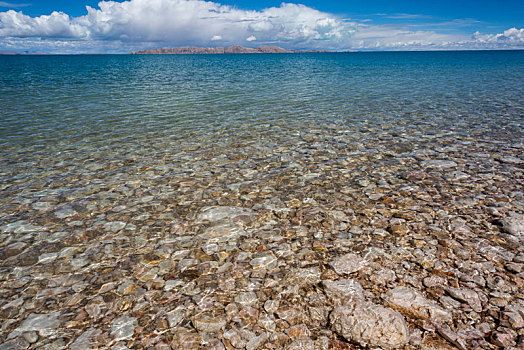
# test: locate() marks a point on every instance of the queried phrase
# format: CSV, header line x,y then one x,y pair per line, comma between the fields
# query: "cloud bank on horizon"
x,y
139,24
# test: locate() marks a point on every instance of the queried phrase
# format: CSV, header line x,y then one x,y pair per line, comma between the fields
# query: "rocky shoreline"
x,y
328,237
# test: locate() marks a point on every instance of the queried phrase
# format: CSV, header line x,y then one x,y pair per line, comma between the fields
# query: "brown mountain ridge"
x,y
216,50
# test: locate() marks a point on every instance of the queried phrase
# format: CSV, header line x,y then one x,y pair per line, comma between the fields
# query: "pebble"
x,y
265,261
348,264
214,214
206,323
64,213
123,328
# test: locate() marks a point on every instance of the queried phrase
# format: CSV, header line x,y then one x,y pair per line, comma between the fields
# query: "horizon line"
x,y
25,53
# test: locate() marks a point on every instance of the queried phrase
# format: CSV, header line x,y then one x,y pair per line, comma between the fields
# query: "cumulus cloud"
x,y
136,24
179,22
512,37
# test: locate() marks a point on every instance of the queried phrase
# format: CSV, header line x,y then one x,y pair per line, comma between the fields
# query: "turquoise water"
x,y
110,105
64,111
48,99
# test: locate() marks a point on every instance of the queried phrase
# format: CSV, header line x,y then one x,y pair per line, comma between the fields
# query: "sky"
x,y
86,26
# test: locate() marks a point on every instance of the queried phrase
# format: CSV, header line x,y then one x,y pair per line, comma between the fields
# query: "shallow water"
x,y
422,140
63,111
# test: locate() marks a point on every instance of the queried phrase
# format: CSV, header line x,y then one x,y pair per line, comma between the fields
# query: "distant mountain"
x,y
217,50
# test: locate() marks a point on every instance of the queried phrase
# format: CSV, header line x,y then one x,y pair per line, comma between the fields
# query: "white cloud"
x,y
511,36
10,4
179,22
136,24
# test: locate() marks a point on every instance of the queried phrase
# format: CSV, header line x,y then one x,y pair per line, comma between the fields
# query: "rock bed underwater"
x,y
406,233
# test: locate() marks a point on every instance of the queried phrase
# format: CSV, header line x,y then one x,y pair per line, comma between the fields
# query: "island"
x,y
219,50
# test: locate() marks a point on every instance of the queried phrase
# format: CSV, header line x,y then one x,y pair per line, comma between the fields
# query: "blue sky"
x,y
60,26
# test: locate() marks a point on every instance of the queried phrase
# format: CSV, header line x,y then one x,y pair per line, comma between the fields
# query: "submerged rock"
x,y
467,296
514,224
413,304
44,324
343,291
214,214
370,325
123,328
206,323
348,264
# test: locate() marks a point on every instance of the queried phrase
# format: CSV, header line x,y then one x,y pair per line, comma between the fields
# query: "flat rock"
x,y
257,342
214,214
513,224
47,258
302,344
206,323
466,296
85,340
21,226
222,233
343,291
123,328
114,226
412,304
44,324
64,213
370,325
176,316
304,277
347,264
15,344
439,164
246,298
265,260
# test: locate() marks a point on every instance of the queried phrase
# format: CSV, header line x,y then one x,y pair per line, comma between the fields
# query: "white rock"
x,y
246,298
413,304
466,296
176,316
20,227
44,324
84,341
47,258
257,342
343,291
266,260
514,224
213,214
64,213
222,233
114,226
347,264
304,277
123,328
205,323
438,164
370,325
